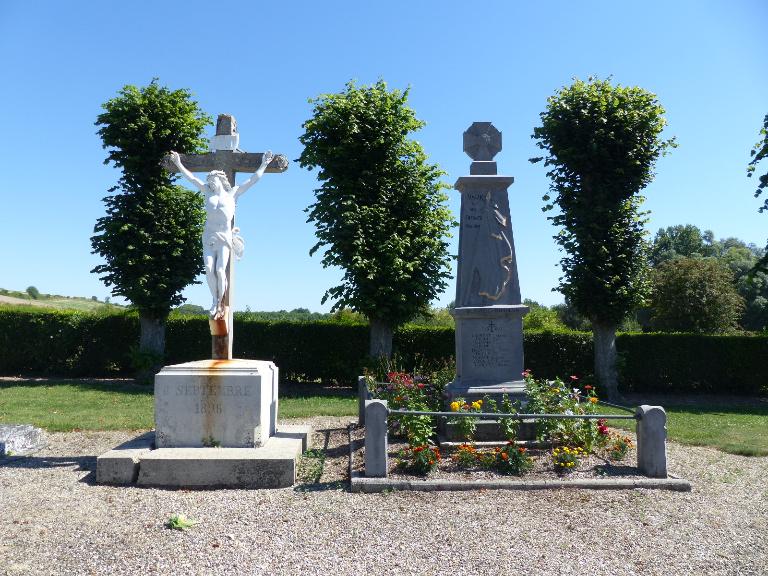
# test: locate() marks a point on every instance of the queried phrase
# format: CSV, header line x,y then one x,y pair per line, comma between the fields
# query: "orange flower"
x,y
593,399
521,450
504,456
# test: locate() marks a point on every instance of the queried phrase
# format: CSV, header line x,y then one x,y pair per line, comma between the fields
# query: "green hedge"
x,y
67,343
681,363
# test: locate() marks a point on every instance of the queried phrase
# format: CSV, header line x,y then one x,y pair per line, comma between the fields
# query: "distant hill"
x,y
56,301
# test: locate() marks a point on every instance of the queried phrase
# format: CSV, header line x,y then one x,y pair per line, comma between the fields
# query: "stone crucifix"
x,y
220,236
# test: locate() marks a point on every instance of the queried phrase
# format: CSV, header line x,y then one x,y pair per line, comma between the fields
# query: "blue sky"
x,y
492,61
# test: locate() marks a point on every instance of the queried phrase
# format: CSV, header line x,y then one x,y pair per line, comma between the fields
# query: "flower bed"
x,y
582,447
468,462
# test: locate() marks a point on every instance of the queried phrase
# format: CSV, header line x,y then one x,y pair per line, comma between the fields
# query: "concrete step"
x,y
270,466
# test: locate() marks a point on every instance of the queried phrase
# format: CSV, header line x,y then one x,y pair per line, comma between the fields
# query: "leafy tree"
x,y
380,212
759,153
150,236
602,142
190,310
681,240
540,317
695,295
741,258
568,315
33,292
751,283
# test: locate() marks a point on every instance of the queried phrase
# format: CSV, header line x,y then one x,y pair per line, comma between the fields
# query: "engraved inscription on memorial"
x,y
207,408
212,390
492,347
475,210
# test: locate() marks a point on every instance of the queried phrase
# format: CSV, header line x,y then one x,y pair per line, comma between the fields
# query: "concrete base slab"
x,y
488,431
528,444
121,465
371,485
296,431
20,439
270,466
476,390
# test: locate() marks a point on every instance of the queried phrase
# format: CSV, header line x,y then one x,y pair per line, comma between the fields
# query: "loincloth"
x,y
230,239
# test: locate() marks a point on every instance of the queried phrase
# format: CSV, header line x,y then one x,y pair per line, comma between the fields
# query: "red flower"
x,y
587,387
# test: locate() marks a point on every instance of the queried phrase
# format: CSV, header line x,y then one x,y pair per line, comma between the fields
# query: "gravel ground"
x,y
55,520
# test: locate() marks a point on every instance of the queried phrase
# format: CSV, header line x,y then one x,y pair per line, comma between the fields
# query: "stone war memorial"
x,y
215,419
489,313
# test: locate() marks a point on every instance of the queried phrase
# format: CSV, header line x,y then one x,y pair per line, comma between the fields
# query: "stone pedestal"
x,y
489,351
216,403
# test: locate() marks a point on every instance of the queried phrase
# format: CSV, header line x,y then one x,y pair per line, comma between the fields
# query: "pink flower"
x,y
574,378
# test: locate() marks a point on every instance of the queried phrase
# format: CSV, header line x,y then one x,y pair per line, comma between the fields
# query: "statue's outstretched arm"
x,y
265,160
176,159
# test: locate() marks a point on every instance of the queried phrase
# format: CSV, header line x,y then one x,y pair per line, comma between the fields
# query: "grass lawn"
x,y
73,405
737,429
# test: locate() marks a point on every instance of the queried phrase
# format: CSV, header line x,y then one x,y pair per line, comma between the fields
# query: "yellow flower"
x,y
455,406
477,404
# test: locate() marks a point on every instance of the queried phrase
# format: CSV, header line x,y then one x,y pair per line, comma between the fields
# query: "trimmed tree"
x,y
150,236
602,142
380,213
695,295
759,153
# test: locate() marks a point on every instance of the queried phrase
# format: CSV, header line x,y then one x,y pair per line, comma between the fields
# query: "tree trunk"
x,y
149,359
604,338
381,339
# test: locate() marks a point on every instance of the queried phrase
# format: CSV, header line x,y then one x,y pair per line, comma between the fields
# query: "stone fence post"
x,y
652,441
376,462
362,395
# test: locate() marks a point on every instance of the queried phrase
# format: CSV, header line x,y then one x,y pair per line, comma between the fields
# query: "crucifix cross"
x,y
227,157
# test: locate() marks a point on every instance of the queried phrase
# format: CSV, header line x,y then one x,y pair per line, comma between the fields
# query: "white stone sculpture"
x,y
219,237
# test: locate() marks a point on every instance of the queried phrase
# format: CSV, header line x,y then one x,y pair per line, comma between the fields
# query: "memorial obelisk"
x,y
488,312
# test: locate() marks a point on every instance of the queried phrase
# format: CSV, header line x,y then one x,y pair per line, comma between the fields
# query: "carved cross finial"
x,y
226,125
482,141
226,137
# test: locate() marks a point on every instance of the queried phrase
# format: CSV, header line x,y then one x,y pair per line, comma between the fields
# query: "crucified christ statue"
x,y
220,239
